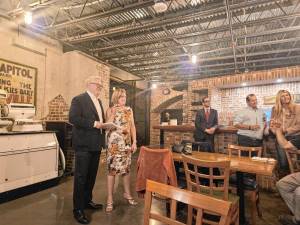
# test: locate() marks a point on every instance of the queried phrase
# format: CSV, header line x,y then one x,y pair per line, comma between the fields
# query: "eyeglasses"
x,y
206,101
97,84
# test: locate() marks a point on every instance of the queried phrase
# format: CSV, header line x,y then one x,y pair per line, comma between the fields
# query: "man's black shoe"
x,y
80,217
287,220
93,205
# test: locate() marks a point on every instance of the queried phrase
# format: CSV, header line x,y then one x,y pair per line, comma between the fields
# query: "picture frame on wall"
x,y
19,81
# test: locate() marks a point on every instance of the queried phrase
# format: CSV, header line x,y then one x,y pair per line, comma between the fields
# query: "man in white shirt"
x,y
87,116
251,122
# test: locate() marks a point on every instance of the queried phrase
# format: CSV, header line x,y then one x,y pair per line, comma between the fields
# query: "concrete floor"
x,y
54,206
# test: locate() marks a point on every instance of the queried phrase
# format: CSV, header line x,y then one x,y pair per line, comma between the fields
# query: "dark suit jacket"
x,y
82,115
201,124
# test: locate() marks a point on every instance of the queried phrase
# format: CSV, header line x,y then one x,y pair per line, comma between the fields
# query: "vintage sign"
x,y
19,81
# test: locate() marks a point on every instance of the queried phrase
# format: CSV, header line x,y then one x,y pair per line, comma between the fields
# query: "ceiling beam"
x,y
164,20
206,58
117,10
225,65
216,73
221,28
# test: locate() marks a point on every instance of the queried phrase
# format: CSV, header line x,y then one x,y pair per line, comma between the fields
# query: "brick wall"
x,y
157,98
231,100
226,93
58,109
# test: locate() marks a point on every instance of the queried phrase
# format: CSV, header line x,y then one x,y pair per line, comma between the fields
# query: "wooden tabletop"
x,y
243,164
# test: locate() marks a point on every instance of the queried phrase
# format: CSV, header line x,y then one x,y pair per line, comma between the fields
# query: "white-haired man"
x,y
87,116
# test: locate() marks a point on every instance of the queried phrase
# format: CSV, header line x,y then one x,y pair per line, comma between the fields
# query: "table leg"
x,y
240,192
161,138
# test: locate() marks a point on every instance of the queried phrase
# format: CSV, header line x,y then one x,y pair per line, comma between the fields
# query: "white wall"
x,y
58,73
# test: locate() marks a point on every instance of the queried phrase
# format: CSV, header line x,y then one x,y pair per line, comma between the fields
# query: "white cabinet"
x,y
27,158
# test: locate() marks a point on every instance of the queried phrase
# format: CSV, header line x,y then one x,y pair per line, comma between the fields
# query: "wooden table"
x,y
243,164
238,165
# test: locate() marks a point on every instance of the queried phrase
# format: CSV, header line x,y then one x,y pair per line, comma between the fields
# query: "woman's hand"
x,y
133,147
125,131
113,111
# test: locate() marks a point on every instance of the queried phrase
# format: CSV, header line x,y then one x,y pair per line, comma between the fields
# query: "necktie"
x,y
206,114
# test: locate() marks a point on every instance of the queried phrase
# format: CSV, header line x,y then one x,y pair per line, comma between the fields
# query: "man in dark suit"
x,y
206,123
87,116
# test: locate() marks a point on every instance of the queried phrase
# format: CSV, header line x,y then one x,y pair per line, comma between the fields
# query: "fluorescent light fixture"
x,y
160,6
155,54
154,86
244,84
279,80
194,59
28,17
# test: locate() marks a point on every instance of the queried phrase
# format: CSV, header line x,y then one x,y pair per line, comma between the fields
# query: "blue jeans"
x,y
281,158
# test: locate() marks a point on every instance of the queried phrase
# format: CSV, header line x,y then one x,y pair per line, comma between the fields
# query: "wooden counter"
x,y
191,128
175,134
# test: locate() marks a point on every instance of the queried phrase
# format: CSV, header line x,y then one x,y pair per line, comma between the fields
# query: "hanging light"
x,y
279,80
28,17
160,6
154,86
194,59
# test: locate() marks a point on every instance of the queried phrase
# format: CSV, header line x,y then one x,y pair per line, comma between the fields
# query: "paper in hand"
x,y
111,125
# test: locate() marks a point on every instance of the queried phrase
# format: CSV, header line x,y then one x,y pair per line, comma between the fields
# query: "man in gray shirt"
x,y
251,122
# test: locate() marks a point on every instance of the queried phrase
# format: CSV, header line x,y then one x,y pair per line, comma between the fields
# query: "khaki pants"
x,y
289,188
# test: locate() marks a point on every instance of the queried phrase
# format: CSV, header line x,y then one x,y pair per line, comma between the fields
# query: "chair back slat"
x,y
242,151
209,177
293,157
197,201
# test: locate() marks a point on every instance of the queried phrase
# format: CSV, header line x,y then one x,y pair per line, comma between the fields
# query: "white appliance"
x,y
23,114
27,158
28,155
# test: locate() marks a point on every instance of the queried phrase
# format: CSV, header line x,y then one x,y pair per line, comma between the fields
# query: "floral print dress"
x,y
119,143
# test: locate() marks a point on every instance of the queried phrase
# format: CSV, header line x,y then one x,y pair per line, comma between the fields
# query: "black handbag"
x,y
182,148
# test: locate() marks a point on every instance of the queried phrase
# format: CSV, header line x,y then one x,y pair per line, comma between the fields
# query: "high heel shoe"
x,y
109,207
130,200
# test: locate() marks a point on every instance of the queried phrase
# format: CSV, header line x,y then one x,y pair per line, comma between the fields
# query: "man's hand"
x,y
98,125
209,130
213,130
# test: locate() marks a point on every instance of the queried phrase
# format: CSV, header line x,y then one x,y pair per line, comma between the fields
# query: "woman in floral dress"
x,y
121,144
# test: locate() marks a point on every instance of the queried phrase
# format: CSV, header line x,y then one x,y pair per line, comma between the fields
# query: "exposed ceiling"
x,y
228,36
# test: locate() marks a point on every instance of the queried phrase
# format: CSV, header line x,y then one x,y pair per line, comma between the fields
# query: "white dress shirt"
x,y
251,116
97,106
206,110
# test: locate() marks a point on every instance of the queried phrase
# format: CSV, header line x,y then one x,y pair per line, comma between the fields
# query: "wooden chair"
x,y
210,178
242,151
250,190
293,157
200,202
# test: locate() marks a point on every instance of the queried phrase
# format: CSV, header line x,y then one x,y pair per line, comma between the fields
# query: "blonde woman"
x,y
121,144
285,124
